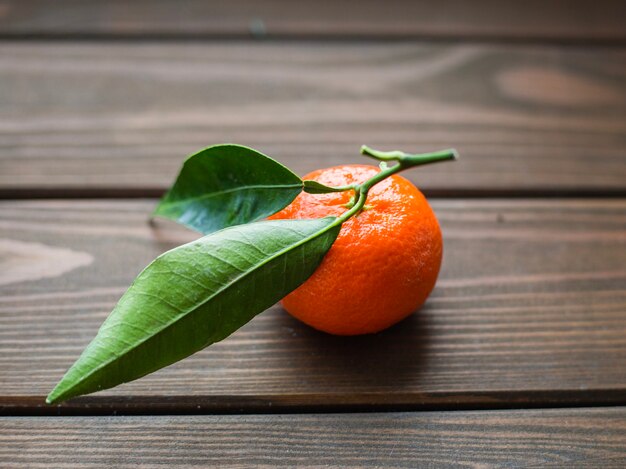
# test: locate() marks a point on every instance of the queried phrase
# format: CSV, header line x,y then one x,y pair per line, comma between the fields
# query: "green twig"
x,y
404,161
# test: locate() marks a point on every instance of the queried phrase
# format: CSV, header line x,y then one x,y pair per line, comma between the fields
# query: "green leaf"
x,y
227,185
314,187
195,295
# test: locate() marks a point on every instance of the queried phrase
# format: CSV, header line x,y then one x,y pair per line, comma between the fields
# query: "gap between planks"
x,y
209,38
73,193
494,20
310,404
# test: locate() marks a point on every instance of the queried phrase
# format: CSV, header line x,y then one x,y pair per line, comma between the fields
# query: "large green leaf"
x,y
195,295
227,185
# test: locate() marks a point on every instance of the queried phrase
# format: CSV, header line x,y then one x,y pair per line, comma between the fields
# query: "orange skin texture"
x,y
382,266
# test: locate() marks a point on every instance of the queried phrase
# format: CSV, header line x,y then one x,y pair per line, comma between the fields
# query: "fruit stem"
x,y
405,161
407,158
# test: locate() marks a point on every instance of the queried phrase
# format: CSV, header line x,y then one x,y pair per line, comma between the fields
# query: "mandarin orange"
x,y
382,266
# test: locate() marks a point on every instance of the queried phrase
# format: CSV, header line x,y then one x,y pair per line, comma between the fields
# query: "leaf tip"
x,y
53,397
60,393
56,395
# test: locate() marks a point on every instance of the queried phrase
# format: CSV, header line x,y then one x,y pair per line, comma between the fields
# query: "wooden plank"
x,y
530,309
94,119
503,19
545,438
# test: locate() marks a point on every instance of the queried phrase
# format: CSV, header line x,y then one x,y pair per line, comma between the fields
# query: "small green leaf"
x,y
195,295
314,187
227,185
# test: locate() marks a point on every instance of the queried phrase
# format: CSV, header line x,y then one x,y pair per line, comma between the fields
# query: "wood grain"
x,y
530,438
504,19
530,309
118,119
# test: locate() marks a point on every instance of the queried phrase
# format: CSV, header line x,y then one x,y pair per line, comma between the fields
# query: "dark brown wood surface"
x,y
103,100
563,20
118,119
541,438
529,310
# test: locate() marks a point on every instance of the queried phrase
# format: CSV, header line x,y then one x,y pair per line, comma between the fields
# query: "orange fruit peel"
x,y
386,258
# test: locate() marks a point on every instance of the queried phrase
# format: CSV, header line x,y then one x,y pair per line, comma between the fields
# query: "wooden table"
x,y
519,356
